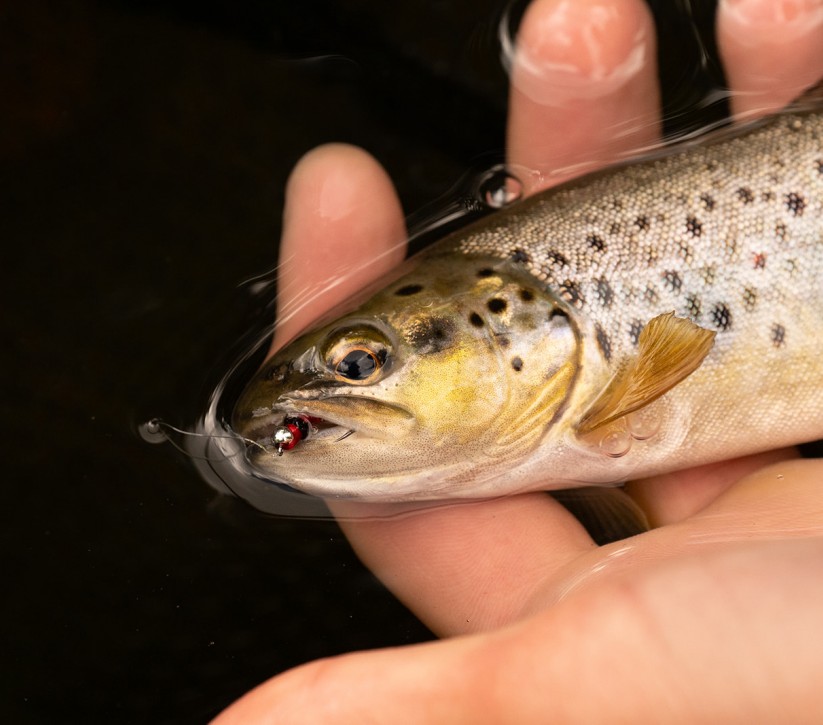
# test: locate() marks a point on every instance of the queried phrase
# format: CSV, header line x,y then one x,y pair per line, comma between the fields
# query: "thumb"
x,y
695,639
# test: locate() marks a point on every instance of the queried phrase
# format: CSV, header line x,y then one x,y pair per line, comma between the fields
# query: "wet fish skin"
x,y
501,337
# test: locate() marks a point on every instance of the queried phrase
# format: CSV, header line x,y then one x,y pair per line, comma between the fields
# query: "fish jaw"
x,y
338,414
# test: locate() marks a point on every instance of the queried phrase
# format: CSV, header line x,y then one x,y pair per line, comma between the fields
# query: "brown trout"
x,y
643,319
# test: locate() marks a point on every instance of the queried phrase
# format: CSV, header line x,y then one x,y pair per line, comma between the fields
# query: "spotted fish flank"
x,y
673,305
735,229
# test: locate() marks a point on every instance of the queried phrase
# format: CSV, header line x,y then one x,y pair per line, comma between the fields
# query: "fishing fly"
x,y
296,428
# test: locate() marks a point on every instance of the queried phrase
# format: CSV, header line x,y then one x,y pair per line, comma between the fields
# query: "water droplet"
x,y
616,443
644,423
498,188
152,431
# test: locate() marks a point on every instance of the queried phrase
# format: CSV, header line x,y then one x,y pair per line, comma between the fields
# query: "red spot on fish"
x,y
760,260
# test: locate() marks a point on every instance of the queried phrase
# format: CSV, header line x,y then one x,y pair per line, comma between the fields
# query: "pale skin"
x,y
715,614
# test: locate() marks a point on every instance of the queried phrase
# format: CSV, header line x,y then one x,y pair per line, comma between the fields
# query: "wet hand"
x,y
712,614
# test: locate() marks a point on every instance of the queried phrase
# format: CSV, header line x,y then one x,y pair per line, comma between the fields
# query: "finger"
x,y
583,87
771,49
673,497
469,567
781,500
627,650
342,228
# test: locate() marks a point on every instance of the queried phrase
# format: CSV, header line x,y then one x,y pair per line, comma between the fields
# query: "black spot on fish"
x,y
694,227
496,305
520,257
672,280
693,306
408,290
768,196
709,274
650,294
556,258
526,295
819,164
485,272
517,364
708,201
711,165
722,316
642,223
476,320
605,293
615,229
604,342
634,331
795,203
596,243
778,334
745,195
431,334
749,298
781,231
503,339
570,292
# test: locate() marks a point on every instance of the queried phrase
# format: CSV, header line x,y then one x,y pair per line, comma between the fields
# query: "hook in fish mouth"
x,y
291,430
329,420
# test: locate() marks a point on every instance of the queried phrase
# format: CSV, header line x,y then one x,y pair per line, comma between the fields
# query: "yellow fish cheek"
x,y
450,407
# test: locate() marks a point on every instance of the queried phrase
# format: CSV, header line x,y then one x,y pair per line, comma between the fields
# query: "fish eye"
x,y
359,364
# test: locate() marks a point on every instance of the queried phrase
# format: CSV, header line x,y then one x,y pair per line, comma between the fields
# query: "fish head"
x,y
450,373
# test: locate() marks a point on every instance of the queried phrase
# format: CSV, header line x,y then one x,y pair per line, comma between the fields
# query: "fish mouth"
x,y
332,419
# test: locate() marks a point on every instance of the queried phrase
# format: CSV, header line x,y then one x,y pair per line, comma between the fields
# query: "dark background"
x,y
144,148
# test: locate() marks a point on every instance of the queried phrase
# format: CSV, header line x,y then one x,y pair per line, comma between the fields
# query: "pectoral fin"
x,y
668,350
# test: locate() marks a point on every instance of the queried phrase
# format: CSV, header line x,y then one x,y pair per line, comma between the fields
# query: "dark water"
x,y
144,147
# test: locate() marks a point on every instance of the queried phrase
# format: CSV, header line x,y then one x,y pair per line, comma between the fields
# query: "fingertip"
x,y
343,228
772,50
583,87
336,182
582,49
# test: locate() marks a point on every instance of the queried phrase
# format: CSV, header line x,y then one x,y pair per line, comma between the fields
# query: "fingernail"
x,y
779,19
568,49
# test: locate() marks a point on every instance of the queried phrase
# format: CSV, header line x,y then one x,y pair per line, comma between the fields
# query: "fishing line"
x,y
153,431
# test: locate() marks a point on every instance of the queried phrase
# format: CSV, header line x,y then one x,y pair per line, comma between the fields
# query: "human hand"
x,y
711,615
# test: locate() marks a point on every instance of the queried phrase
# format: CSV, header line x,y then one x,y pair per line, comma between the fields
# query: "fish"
x,y
645,318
